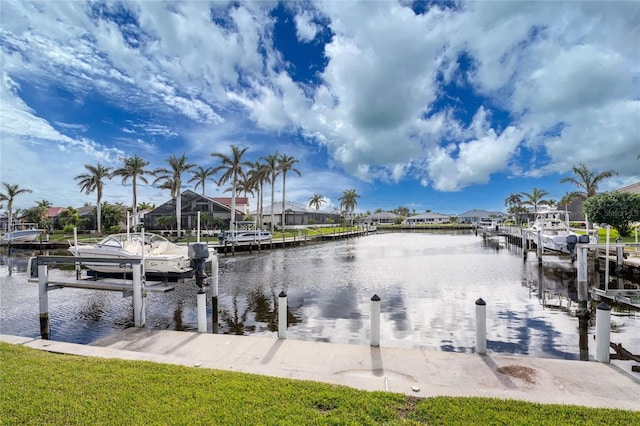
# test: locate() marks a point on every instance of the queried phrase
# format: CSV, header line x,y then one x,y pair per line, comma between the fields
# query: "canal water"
x,y
428,283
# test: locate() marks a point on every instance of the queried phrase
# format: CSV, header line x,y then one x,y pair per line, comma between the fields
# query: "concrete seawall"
x,y
416,372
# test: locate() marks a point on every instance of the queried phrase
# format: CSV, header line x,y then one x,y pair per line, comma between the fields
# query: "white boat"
x,y
554,228
488,225
161,256
244,236
21,236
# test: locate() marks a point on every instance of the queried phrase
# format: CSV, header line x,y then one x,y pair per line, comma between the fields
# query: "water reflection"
x,y
427,282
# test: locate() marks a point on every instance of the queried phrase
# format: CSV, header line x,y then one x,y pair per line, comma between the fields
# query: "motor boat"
x,y
161,256
556,235
245,236
23,235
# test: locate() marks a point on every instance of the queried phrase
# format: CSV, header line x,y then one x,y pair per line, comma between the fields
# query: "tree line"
x,y
618,209
248,177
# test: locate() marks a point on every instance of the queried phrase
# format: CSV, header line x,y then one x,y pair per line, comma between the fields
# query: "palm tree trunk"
x,y
284,179
99,214
134,208
232,225
273,216
10,208
259,210
179,208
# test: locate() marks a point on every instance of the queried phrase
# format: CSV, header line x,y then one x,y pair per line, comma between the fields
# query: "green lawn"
x,y
44,388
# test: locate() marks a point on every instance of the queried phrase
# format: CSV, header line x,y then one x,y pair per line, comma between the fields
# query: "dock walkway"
x,y
416,372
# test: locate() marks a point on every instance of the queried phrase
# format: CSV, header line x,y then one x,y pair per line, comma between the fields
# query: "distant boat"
x,y
245,236
160,255
21,235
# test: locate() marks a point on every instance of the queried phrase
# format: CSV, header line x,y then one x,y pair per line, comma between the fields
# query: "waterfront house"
x,y
192,203
381,218
295,214
474,217
427,218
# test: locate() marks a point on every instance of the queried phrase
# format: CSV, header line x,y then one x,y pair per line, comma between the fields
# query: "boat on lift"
x,y
161,256
24,233
556,235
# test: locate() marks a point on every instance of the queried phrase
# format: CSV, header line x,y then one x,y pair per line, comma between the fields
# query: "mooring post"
x,y
75,251
138,296
606,260
214,293
525,243
583,298
603,331
375,320
481,327
540,249
583,274
202,311
44,301
619,255
282,315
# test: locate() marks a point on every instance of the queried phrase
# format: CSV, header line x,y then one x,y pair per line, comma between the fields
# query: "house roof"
x,y
383,215
475,213
481,213
191,195
55,211
240,201
634,188
428,215
85,210
289,206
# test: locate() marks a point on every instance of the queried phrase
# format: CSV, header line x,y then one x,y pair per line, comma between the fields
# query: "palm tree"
x,y
348,201
146,206
535,198
168,183
285,164
43,210
232,167
271,167
514,203
94,181
587,181
172,178
200,177
316,201
245,186
259,174
9,194
134,168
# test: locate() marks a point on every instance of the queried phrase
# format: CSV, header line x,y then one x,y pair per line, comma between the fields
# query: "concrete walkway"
x,y
415,372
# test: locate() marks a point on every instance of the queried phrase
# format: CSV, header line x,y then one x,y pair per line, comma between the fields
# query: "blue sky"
x,y
446,106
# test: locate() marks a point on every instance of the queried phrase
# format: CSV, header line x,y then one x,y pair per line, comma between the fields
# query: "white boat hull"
x,y
160,255
21,236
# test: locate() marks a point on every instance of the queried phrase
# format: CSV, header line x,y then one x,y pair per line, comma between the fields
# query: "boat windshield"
x,y
117,240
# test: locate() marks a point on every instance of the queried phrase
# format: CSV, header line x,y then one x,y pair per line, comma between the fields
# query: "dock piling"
x,y
619,255
282,315
138,299
375,320
481,327
540,248
603,332
214,294
202,311
44,301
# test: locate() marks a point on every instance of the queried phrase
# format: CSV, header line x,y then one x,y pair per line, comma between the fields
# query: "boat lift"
x,y
137,287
